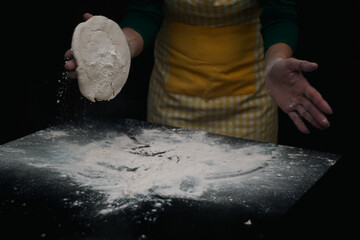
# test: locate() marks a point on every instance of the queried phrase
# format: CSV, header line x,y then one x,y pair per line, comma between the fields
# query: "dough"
x,y
103,58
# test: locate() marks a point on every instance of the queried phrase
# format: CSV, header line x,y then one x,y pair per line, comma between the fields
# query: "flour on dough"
x,y
103,58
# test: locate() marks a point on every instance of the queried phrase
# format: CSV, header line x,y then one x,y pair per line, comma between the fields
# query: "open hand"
x,y
294,95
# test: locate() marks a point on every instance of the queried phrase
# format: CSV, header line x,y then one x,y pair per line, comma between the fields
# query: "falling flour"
x,y
123,167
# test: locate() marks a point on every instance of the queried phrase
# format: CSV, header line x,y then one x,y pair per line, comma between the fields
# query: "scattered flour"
x,y
151,165
55,134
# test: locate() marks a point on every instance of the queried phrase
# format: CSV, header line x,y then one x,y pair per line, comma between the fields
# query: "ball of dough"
x,y
103,58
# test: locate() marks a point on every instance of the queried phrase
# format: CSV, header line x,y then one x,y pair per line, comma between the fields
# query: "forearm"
x,y
134,40
279,23
144,18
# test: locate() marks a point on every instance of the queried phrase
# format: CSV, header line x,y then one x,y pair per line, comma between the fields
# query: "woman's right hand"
x,y
70,63
133,38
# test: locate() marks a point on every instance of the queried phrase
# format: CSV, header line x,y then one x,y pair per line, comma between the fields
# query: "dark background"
x,y
35,95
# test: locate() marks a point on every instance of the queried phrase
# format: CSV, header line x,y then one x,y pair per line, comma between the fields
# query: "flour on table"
x,y
151,165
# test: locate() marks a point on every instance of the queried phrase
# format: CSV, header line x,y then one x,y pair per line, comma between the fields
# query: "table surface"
x,y
112,179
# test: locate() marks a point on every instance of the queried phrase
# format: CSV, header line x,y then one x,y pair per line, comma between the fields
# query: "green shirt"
x,y
278,21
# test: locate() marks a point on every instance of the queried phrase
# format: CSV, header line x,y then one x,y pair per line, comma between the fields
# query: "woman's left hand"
x,y
294,95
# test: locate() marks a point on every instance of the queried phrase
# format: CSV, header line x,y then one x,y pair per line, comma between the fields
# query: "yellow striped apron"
x,y
209,70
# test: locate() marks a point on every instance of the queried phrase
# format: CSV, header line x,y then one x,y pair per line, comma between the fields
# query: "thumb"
x,y
306,66
87,16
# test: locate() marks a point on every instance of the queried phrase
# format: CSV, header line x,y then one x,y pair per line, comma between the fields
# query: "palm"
x,y
294,95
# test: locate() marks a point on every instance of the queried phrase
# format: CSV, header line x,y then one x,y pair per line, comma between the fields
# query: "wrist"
x,y
276,53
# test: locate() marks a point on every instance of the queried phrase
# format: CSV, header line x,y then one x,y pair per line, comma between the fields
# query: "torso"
x,y
208,72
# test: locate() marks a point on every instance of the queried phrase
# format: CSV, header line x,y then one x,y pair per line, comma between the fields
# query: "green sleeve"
x,y
145,17
279,23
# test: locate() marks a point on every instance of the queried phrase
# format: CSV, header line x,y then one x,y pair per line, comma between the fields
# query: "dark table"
x,y
128,179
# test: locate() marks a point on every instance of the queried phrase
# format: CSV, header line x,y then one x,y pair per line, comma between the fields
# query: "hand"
x,y
70,64
294,95
133,38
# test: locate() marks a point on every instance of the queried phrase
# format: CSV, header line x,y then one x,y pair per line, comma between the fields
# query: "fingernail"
x,y
326,122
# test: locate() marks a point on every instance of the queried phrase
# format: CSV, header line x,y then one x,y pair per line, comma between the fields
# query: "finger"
x,y
71,74
320,119
306,66
87,16
70,65
301,65
315,97
297,120
305,114
68,54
